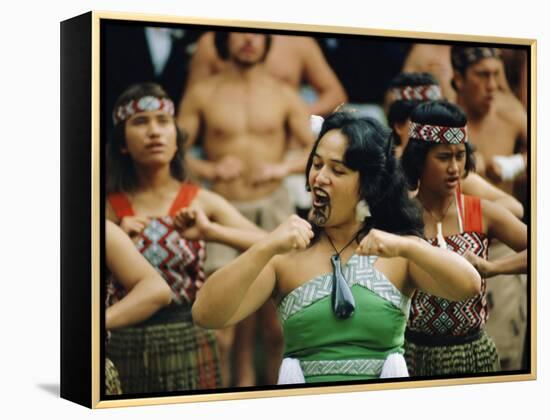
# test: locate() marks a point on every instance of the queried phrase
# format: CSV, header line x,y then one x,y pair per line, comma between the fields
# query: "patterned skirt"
x,y
112,380
471,356
167,356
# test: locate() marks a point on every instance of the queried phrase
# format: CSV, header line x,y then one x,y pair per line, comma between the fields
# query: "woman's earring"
x,y
362,211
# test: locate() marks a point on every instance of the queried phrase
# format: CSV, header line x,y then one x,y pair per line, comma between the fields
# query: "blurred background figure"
x,y
497,124
436,60
295,60
246,118
169,219
406,92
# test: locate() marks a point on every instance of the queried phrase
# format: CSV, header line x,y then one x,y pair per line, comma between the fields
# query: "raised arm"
x,y
511,167
189,120
509,230
441,272
211,217
239,288
319,74
511,264
433,270
298,120
475,185
299,129
502,225
147,291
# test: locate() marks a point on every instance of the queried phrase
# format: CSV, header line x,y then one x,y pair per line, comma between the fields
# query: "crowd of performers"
x,y
336,245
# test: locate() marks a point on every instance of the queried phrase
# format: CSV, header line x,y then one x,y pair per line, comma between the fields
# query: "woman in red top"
x,y
168,220
446,337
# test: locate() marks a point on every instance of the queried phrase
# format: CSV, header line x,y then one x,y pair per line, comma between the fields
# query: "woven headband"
x,y
143,104
417,93
464,57
438,133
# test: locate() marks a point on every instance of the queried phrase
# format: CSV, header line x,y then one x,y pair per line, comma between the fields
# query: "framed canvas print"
x,y
255,209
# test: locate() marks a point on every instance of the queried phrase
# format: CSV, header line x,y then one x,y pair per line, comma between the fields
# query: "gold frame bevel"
x,y
97,202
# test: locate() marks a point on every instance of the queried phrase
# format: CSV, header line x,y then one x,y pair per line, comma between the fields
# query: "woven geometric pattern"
x,y
179,261
417,93
464,57
144,104
342,367
437,316
438,133
359,270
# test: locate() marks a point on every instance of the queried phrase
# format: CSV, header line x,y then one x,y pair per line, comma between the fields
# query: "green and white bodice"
x,y
331,349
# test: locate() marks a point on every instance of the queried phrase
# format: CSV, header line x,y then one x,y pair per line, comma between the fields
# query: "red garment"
x,y
437,316
179,261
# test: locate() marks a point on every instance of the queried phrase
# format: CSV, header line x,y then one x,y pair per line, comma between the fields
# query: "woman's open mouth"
x,y
320,198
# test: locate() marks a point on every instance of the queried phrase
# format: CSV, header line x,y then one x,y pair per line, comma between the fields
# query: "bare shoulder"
x,y
206,198
206,39
510,109
293,42
287,266
490,210
305,43
206,49
288,271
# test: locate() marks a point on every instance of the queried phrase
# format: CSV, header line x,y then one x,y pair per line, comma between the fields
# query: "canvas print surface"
x,y
287,210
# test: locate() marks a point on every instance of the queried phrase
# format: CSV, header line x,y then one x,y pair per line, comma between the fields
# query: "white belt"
x,y
292,370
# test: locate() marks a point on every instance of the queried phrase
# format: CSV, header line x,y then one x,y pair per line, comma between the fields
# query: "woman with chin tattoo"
x,y
343,279
446,337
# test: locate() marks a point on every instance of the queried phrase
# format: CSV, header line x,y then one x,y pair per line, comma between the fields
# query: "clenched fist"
x,y
294,233
268,172
382,244
483,267
192,224
134,225
228,168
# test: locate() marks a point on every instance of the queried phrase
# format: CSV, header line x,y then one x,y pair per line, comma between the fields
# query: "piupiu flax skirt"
x,y
430,356
112,380
166,353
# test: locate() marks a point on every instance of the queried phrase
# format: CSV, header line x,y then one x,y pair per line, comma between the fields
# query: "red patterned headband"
x,y
143,104
417,93
438,133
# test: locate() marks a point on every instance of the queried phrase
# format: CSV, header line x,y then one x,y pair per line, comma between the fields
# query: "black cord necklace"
x,y
343,303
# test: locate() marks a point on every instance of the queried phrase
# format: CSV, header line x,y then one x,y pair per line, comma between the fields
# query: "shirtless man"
x,y
436,60
406,92
497,126
497,122
291,59
246,117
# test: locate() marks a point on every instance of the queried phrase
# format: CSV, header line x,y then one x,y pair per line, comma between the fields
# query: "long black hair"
x,y
401,109
121,174
381,180
432,113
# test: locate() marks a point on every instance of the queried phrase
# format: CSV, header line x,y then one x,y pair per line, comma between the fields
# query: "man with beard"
x,y
292,59
246,118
